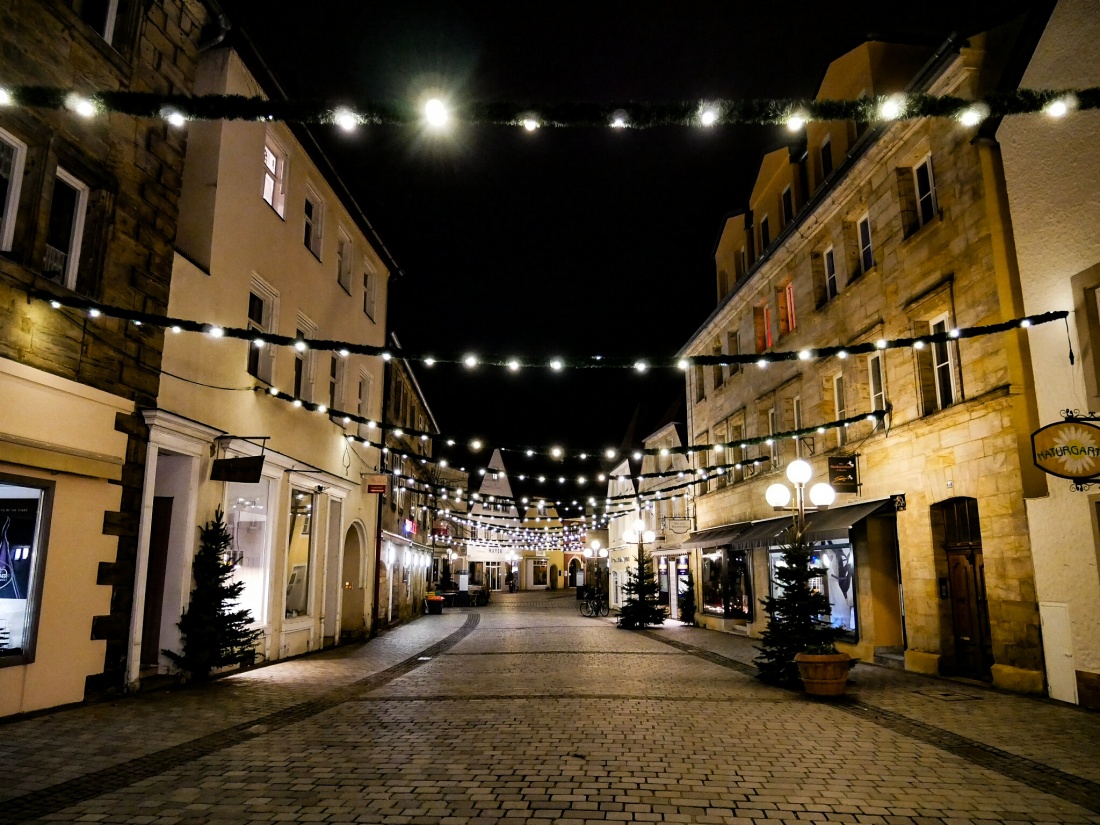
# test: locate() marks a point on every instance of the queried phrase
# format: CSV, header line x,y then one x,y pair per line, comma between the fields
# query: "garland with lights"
x,y
178,109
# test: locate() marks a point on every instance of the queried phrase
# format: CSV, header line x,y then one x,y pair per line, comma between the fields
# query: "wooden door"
x,y
970,613
160,531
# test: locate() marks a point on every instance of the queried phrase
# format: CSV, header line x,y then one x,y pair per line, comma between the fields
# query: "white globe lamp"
x,y
799,472
822,495
648,536
778,495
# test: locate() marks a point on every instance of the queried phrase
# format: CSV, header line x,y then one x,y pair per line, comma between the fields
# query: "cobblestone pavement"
x,y
526,712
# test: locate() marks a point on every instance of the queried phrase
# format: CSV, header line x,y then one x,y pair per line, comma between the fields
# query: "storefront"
x,y
670,564
724,591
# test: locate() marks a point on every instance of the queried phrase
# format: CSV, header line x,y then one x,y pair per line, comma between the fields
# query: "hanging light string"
x,y
470,360
348,115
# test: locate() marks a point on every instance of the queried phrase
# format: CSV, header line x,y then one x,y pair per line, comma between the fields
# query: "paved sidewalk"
x,y
526,712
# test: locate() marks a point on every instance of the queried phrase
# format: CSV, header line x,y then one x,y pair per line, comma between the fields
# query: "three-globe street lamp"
x,y
595,551
799,472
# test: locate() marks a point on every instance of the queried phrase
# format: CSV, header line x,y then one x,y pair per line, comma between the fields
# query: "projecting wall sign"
x,y
1068,449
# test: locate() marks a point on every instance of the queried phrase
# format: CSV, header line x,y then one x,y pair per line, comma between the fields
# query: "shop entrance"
x,y
354,596
493,576
576,572
957,518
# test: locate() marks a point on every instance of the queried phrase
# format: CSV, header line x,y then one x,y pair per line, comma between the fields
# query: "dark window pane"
x,y
256,309
826,159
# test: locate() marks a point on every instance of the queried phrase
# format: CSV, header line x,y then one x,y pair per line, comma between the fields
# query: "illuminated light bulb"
x,y
470,361
371,425
953,333
556,364
450,442
821,429
583,456
842,354
399,432
1025,323
258,343
321,408
273,391
429,361
610,453
561,479
555,452
300,345
805,355
880,343
892,107
762,363
601,477
5,97
94,313
443,463
778,495
641,366
215,332
297,402
435,112
822,495
1059,107
971,116
344,353
350,438
709,117
530,124
176,330
872,418
542,479
55,304
175,119
796,121
475,444
386,356
637,455
81,105
768,441
581,480
423,438
918,344
664,451
513,365
346,119
347,419
618,120
718,448
683,364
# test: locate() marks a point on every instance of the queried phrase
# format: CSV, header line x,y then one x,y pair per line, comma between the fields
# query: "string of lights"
x,y
436,113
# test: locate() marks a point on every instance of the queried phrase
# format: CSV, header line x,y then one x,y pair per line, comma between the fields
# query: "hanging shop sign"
x,y
1067,449
844,473
377,483
245,470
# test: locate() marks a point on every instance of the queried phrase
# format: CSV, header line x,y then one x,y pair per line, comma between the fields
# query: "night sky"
x,y
565,241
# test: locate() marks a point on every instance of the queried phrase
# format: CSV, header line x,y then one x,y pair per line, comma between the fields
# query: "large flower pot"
x,y
435,606
824,674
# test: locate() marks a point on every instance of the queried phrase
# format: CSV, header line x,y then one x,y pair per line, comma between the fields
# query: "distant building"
x,y
88,208
861,233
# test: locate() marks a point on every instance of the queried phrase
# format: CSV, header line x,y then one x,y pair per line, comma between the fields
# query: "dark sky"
x,y
565,241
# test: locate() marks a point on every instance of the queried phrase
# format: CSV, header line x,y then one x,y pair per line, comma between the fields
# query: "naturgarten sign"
x,y
1068,449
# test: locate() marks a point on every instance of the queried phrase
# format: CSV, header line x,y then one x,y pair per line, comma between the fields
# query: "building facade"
x,y
268,240
1052,179
88,209
867,233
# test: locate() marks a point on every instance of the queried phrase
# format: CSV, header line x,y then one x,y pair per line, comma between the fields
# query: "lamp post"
x,y
799,473
596,553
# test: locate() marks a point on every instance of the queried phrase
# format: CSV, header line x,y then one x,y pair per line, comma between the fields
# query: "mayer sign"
x,y
1069,449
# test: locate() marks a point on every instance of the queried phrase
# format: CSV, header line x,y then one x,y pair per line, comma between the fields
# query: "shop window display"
x,y
541,574
23,518
248,520
726,584
839,583
299,554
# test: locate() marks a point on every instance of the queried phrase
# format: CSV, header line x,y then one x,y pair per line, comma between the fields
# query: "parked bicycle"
x,y
595,604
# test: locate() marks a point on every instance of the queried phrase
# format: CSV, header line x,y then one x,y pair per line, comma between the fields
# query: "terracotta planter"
x,y
435,607
824,674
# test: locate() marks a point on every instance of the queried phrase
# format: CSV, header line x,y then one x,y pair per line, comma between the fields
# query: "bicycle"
x,y
595,604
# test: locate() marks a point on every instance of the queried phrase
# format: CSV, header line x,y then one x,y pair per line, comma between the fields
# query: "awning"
x,y
714,537
835,522
764,533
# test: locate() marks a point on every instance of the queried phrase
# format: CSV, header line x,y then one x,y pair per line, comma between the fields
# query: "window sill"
x,y
918,230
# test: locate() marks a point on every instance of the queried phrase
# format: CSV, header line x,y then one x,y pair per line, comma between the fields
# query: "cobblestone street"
x,y
524,711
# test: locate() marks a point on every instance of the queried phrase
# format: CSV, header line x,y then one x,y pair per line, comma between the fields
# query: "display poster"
x,y
18,526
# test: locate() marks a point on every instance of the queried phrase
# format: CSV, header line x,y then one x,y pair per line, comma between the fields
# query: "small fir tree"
x,y
214,634
687,602
794,616
642,606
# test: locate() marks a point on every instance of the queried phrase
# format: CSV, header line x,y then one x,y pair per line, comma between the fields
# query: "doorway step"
x,y
890,657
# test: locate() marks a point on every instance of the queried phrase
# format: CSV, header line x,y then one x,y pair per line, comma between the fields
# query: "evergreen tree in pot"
x,y
687,602
794,617
642,606
214,634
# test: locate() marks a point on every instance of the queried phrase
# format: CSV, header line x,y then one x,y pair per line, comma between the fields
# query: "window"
x,y
744,261
765,234
344,254
368,291
788,206
737,452
841,407
785,300
831,290
275,176
773,446
926,190
726,586
303,362
866,254
13,154
839,583
335,382
826,159
796,414
262,303
733,347
24,526
762,319
717,371
314,223
299,553
943,365
248,520
718,438
65,231
876,381
700,388
99,14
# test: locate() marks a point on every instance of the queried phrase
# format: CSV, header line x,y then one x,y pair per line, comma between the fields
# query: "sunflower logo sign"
x,y
1068,449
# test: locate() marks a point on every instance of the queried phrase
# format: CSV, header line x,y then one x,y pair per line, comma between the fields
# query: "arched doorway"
x,y
353,601
576,572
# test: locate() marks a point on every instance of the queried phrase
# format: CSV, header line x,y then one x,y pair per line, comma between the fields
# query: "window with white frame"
x,y
65,230
249,522
876,379
831,289
275,175
262,302
303,361
841,407
369,279
335,382
943,364
314,224
25,505
345,254
101,15
13,154
299,554
362,401
866,252
925,187
796,412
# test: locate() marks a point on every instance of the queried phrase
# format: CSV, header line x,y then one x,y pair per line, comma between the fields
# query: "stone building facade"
x,y
88,205
861,233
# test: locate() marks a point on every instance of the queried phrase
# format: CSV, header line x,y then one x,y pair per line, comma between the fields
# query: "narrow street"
x,y
525,711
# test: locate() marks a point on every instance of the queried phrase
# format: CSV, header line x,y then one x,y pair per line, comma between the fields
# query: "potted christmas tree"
x,y
798,647
214,633
642,606
687,602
